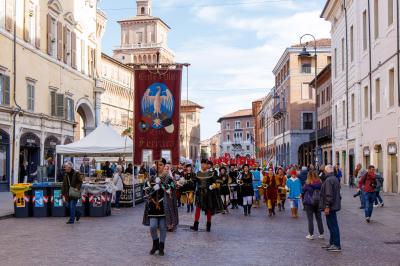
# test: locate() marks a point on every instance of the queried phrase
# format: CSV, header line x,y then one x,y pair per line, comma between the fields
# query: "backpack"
x,y
316,197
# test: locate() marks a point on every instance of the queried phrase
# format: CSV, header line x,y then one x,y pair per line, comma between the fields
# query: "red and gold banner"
x,y
157,118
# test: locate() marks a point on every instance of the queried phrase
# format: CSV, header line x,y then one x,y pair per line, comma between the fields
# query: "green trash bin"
x,y
58,203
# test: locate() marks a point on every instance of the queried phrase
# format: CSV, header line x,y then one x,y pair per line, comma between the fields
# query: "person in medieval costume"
x,y
158,208
281,179
233,187
257,179
224,187
211,168
246,189
172,202
271,191
186,184
208,198
178,174
293,184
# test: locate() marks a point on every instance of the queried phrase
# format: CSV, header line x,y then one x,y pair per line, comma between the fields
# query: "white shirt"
x,y
118,181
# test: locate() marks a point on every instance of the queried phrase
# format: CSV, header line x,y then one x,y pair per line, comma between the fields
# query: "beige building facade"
x,y
117,99
48,79
237,134
294,99
144,38
365,80
190,130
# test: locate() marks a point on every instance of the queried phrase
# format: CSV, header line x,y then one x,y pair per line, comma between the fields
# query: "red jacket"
x,y
367,180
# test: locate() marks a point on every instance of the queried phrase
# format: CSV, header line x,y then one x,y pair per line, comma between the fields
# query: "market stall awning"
x,y
103,141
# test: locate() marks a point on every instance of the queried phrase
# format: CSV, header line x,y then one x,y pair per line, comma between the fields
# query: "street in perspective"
x,y
183,132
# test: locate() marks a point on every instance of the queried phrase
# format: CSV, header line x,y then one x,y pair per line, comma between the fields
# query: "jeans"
x,y
378,198
333,226
73,212
158,223
311,211
362,199
369,198
117,198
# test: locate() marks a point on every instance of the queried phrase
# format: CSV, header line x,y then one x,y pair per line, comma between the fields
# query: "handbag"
x,y
73,192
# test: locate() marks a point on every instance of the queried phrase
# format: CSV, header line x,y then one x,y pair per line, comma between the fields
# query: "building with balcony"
x,y
259,129
237,133
365,86
144,38
323,88
49,80
294,100
117,99
190,130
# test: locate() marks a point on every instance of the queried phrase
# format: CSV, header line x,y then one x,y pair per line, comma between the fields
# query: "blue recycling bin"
x,y
41,199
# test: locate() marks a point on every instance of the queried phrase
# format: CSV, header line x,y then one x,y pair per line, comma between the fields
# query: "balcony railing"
x,y
141,45
278,111
323,133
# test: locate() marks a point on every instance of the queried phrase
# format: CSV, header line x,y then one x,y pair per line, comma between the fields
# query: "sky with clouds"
x,y
232,45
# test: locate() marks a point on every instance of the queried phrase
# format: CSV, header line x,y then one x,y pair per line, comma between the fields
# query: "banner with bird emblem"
x,y
157,116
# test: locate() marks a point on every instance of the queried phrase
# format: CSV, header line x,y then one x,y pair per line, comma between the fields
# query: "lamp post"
x,y
304,54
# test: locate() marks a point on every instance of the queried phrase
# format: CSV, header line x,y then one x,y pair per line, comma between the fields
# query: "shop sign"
x,y
39,201
392,149
367,151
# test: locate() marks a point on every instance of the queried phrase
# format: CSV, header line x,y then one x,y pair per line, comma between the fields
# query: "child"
x,y
293,184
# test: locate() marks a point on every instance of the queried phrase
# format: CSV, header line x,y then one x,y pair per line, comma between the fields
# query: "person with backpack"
x,y
368,181
379,185
311,198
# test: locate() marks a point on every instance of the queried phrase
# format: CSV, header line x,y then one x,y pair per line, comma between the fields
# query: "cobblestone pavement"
x,y
234,240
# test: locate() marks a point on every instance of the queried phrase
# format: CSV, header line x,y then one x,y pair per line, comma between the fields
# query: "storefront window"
x,y
3,164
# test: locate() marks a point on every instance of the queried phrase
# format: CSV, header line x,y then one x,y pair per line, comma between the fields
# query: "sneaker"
x,y
310,237
376,205
362,208
368,219
382,204
334,248
69,222
321,236
326,247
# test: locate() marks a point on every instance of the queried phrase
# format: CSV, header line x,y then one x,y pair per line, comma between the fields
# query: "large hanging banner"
x,y
157,117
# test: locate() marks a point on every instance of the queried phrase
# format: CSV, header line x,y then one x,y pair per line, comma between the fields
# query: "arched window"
x,y
142,10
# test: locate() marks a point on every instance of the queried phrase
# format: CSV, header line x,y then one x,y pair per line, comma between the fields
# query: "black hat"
x,y
210,163
204,161
163,161
222,167
245,166
188,165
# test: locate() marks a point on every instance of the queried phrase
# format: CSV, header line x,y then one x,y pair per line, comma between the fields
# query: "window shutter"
x,y
9,14
26,20
72,110
89,53
59,40
60,104
66,108
65,44
53,103
73,50
37,27
49,36
6,90
83,61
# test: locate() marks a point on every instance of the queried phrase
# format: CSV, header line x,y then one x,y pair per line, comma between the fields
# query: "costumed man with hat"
x,y
224,187
271,191
281,183
187,187
233,186
208,198
157,209
246,189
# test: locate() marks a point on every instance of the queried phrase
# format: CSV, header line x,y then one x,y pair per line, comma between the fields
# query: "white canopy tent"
x,y
104,141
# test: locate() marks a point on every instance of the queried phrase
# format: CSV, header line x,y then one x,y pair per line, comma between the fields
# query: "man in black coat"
x,y
72,180
330,203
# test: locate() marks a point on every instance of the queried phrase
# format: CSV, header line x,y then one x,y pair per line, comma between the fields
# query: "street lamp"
x,y
305,54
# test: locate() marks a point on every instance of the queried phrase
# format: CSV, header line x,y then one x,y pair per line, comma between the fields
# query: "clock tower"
x,y
143,37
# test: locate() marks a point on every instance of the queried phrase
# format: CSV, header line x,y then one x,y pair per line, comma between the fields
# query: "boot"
x,y
245,210
279,207
296,213
259,204
249,209
273,210
161,250
155,247
269,212
208,226
188,208
195,226
292,211
191,207
236,204
283,205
